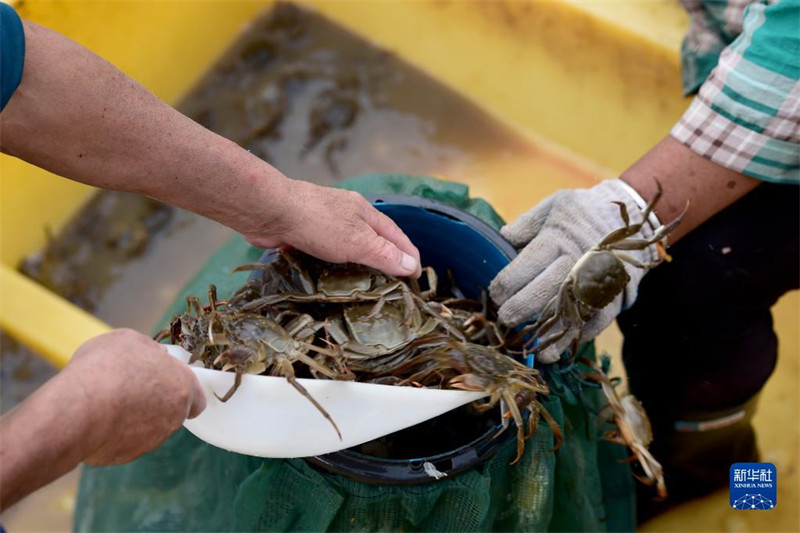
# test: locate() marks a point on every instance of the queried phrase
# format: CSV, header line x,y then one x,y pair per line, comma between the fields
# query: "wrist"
x,y
96,390
610,193
42,439
69,404
267,218
252,198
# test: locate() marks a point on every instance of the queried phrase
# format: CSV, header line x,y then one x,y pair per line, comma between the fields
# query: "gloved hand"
x,y
555,235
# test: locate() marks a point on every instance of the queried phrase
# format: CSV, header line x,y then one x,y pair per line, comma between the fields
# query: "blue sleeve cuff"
x,y
12,52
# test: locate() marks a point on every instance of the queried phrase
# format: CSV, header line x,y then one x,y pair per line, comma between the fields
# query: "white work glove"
x,y
555,234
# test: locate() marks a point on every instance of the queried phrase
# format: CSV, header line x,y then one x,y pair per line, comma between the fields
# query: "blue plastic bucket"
x,y
449,238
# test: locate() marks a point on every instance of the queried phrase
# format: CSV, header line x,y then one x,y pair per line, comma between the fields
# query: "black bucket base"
x,y
435,449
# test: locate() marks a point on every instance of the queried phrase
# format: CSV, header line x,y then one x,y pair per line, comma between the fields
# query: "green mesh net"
x,y
188,485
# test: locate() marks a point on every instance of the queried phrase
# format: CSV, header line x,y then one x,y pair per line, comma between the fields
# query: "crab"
x,y
596,279
223,337
371,341
632,430
188,329
257,344
474,367
342,283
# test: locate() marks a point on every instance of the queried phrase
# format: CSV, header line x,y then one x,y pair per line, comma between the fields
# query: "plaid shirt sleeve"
x,y
746,115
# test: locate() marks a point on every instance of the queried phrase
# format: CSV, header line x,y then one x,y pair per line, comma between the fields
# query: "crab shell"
x,y
599,276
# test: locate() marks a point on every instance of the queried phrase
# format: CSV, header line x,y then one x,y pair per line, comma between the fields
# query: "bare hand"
x,y
136,395
338,226
119,397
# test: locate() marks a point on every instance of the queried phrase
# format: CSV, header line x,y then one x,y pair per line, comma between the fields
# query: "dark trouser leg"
x,y
699,342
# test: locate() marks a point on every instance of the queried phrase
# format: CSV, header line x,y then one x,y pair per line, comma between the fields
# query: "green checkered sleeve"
x,y
746,115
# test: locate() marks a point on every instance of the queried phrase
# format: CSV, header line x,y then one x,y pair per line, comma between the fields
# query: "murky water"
x,y
320,104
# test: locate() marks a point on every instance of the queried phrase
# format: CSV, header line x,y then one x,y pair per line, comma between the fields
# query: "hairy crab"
x,y
248,344
475,367
300,317
632,430
596,279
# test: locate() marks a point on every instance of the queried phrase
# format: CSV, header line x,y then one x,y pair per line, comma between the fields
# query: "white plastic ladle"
x,y
267,417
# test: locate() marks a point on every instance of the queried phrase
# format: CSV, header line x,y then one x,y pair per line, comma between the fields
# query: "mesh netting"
x,y
188,485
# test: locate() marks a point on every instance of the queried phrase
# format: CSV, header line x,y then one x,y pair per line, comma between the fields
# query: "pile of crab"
x,y
300,317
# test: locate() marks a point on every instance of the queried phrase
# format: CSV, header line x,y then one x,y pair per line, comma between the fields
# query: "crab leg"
x,y
236,382
446,325
561,304
513,410
302,390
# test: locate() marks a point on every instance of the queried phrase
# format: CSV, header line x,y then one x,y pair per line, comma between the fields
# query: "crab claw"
x,y
469,382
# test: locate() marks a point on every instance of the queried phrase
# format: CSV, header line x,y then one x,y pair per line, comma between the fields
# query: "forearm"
x,y
41,439
78,116
686,177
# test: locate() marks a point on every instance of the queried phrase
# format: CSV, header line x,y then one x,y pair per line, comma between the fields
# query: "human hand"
x,y
337,226
555,235
136,395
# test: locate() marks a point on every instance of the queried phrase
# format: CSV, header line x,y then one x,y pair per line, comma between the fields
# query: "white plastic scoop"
x,y
267,417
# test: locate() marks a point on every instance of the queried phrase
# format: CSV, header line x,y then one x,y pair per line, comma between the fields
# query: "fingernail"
x,y
409,263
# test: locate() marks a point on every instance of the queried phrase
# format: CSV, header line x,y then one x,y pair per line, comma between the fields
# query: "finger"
x,y
198,399
604,317
379,253
591,329
529,301
552,353
389,230
534,259
522,230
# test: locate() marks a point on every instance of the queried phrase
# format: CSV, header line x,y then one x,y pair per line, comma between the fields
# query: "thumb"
x,y
602,319
197,400
383,255
388,230
522,230
591,329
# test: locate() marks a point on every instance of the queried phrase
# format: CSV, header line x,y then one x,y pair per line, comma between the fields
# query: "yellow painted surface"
x,y
59,327
661,22
605,87
22,228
